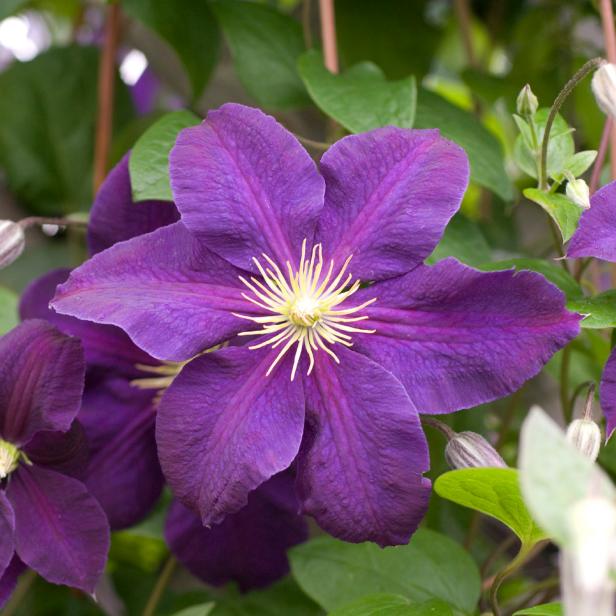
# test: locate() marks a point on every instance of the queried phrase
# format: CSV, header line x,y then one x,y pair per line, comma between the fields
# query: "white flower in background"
x,y
604,88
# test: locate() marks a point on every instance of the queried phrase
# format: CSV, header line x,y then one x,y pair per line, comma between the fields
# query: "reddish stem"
x,y
609,36
106,83
328,34
598,166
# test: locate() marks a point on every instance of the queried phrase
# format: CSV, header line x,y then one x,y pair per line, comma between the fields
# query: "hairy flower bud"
x,y
578,191
9,458
604,88
471,450
585,436
12,242
527,102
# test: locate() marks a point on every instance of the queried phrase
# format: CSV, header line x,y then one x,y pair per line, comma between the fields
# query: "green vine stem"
x,y
161,584
587,68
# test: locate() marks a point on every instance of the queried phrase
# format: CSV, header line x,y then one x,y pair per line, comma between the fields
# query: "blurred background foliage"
x,y
417,63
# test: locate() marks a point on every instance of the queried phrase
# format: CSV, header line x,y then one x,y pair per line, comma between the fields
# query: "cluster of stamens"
x,y
304,306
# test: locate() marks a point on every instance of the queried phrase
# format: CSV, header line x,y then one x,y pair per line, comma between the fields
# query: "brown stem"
x,y
106,83
609,36
311,143
603,145
442,427
159,588
31,221
463,15
307,31
328,34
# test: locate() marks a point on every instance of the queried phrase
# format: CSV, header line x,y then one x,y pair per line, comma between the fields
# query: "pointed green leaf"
x,y
599,310
562,210
361,98
495,492
547,609
149,158
383,604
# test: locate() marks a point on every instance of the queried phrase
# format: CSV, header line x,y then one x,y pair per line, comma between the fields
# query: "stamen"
x,y
305,308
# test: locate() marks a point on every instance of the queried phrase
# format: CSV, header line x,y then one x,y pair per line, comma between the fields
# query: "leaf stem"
x,y
587,68
160,586
564,383
22,589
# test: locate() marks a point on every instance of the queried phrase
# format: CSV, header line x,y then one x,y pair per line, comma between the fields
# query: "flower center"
x,y
9,458
305,307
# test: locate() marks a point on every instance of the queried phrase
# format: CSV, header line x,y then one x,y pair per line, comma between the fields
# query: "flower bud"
x,y
12,242
9,458
578,191
471,450
527,102
585,435
604,88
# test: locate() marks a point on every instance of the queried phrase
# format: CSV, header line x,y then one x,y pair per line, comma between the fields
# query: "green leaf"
x,y
547,609
580,162
149,159
555,274
384,604
554,475
463,240
561,147
562,210
196,610
9,317
191,30
361,98
393,34
335,573
495,492
601,310
265,45
483,149
47,127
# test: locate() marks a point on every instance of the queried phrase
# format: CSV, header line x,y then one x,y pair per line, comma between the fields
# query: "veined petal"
x,y
389,194
249,547
104,346
596,233
360,470
456,337
172,296
115,217
608,394
41,380
123,473
7,532
245,185
60,530
224,427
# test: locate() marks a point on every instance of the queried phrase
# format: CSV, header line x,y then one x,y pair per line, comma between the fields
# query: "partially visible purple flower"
x,y
48,519
123,387
263,250
607,394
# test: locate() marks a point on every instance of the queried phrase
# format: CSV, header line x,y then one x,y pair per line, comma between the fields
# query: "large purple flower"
x,y
336,370
123,387
48,519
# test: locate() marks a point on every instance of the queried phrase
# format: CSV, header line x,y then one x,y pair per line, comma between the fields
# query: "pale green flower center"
x,y
9,458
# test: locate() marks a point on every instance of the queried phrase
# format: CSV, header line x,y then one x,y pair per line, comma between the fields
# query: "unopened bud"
x,y
12,242
9,458
604,88
471,450
578,191
585,436
527,102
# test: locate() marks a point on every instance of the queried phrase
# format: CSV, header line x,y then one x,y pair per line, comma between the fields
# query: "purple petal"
x,y
608,394
596,233
123,474
456,337
171,295
7,532
60,530
104,345
65,452
360,475
41,380
115,217
223,428
246,186
249,547
8,581
390,193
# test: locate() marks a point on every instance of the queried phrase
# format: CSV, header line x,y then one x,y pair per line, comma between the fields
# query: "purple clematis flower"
x,y
48,519
123,387
338,366
596,237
